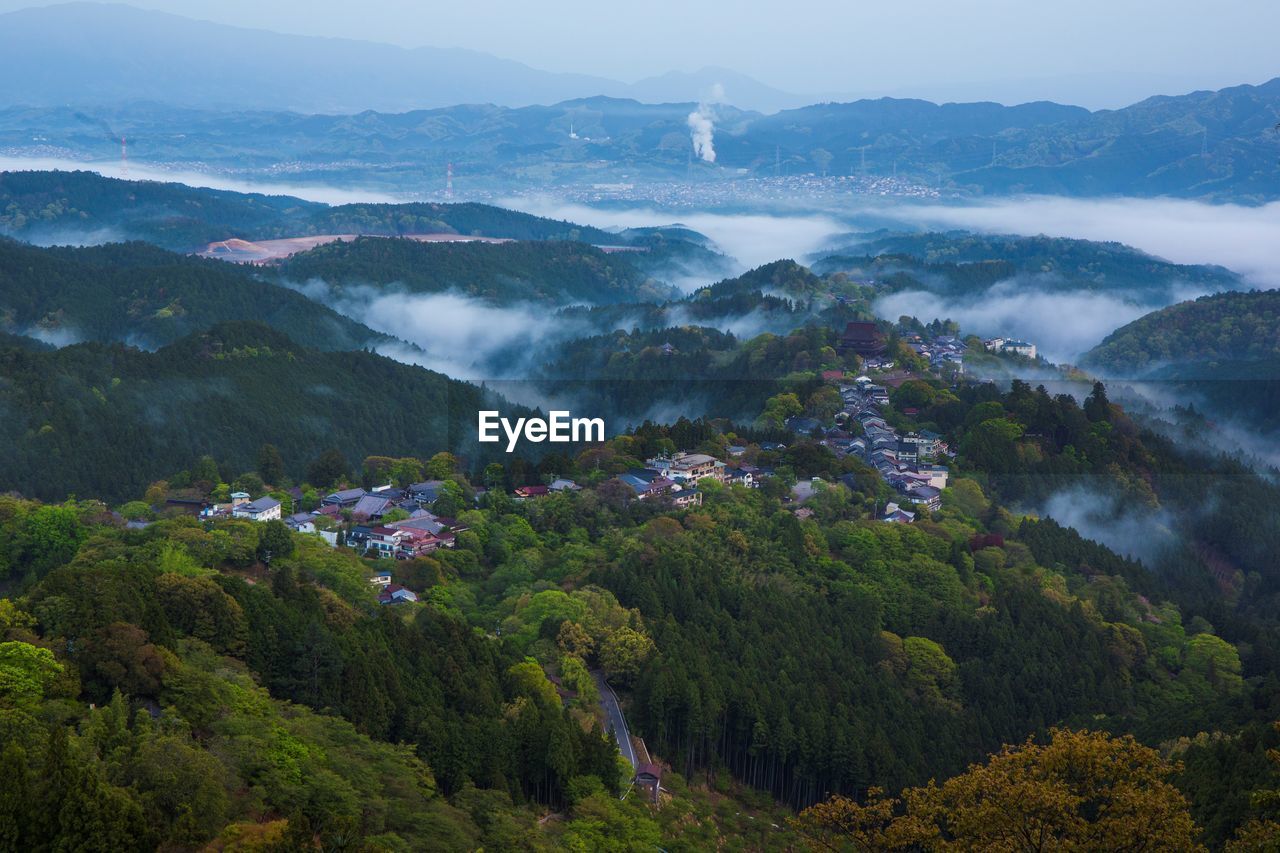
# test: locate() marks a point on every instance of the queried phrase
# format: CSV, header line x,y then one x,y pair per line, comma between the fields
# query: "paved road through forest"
x,y
613,714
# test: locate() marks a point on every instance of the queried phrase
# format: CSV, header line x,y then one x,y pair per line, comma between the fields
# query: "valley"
x,y
431,430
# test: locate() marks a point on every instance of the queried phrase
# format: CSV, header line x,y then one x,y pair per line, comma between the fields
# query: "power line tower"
x,y
448,181
124,158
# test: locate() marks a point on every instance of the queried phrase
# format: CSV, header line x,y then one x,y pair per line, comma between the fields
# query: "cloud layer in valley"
x,y
1186,232
140,172
1063,325
1136,532
752,239
461,336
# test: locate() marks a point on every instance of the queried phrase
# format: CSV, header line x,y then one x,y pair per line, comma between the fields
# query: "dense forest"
x,y
777,297
548,271
965,263
247,687
106,419
56,207
79,207
1224,327
1219,354
148,297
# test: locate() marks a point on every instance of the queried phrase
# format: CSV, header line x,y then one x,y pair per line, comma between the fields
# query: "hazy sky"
x,y
1093,52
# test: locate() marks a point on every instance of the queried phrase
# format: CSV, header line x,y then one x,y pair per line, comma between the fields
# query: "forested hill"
x,y
1223,327
553,272
85,207
148,673
462,218
147,296
8,340
106,419
784,278
74,207
966,263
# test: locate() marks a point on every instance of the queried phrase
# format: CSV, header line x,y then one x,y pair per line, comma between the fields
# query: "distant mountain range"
x,y
1220,146
102,54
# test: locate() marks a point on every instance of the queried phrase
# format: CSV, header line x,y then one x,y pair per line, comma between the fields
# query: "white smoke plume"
x,y
702,126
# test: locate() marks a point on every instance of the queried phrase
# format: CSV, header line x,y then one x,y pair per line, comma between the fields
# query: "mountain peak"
x,y
111,53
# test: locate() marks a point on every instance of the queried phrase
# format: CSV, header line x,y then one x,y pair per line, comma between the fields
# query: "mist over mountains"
x,y
95,53
191,94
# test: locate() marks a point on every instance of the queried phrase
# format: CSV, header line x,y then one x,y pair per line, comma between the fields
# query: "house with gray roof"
x,y
346,498
263,509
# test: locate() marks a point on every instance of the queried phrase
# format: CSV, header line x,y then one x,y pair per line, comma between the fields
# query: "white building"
x,y
1019,348
263,509
1009,345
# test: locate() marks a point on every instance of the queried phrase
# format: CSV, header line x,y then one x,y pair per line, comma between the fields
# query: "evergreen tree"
x,y
270,465
17,808
1097,407
58,777
328,469
275,541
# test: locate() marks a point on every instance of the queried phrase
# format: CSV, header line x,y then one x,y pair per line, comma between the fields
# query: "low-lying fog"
x,y
751,238
1063,324
1240,238
143,172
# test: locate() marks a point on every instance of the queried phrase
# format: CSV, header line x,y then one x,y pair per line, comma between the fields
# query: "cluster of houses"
x,y
372,530
675,477
943,351
906,461
401,538
1010,345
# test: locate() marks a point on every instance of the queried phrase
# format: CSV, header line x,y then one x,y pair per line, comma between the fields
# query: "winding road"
x,y
613,714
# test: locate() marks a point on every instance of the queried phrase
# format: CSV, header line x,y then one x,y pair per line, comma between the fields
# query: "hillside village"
x,y
402,522
395,517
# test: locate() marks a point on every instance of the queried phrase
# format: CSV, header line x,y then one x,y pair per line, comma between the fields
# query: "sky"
x,y
1097,53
